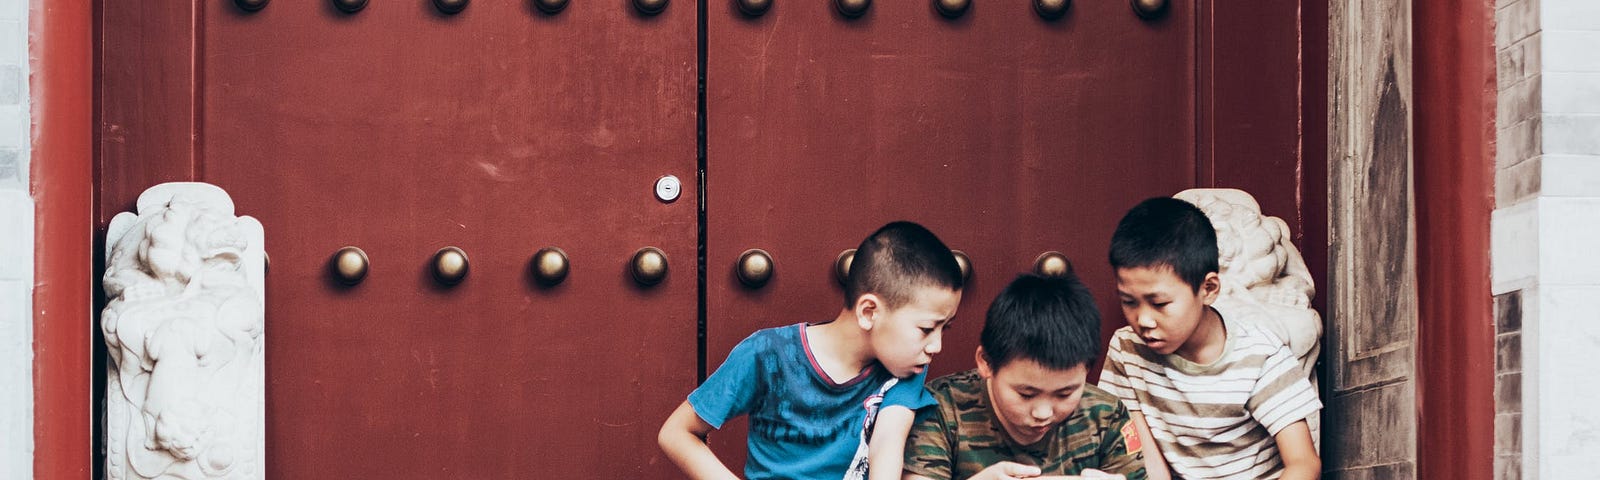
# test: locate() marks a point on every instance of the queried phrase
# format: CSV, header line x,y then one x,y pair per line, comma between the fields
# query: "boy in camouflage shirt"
x,y
1027,410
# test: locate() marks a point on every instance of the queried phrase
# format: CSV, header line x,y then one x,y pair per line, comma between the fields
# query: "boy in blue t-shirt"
x,y
813,390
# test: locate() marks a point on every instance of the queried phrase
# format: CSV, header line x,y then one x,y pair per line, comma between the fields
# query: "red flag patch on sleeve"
x,y
1130,436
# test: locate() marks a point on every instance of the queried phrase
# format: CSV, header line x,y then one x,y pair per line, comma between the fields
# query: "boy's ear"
x,y
1210,288
867,308
983,363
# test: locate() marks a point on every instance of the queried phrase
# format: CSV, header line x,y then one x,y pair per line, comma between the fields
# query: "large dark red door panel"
x,y
498,130
1006,134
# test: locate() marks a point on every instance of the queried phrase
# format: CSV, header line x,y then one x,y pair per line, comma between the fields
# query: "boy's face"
x,y
905,339
1162,309
1030,398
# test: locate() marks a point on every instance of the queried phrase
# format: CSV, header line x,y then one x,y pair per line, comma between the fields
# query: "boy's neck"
x,y
840,346
1208,341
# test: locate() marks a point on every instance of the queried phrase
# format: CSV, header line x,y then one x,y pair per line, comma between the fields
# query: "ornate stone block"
x,y
183,329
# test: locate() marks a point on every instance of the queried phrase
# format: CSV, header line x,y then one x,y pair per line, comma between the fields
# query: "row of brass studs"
x,y
755,266
548,266
452,7
648,266
1049,9
1049,264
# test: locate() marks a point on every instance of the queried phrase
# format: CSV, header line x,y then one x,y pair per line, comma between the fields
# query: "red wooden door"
x,y
498,130
501,130
1006,134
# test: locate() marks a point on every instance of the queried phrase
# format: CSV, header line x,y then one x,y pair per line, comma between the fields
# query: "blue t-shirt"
x,y
802,424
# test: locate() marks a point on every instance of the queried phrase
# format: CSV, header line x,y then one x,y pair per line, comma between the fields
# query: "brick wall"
x,y
1546,227
1517,184
16,248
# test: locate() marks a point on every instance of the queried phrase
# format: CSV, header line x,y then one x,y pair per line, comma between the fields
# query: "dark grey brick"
x,y
1508,393
1508,353
1508,312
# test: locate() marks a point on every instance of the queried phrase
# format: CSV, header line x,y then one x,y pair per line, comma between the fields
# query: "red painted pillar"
x,y
62,183
1455,109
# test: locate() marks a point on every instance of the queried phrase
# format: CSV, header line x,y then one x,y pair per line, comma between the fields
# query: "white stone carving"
x,y
183,326
1264,279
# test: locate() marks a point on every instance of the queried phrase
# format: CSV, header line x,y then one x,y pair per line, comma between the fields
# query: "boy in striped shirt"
x,y
1221,399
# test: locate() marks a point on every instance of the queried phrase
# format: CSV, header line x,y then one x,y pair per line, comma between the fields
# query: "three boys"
x,y
1200,397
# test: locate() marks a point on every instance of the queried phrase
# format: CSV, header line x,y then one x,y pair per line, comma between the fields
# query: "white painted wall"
x,y
1546,243
16,248
1566,425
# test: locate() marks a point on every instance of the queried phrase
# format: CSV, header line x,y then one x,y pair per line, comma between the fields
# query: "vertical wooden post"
x,y
1455,114
62,187
1372,322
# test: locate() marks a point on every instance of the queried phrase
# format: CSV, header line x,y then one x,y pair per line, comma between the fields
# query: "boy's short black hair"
x,y
1166,232
896,259
1051,320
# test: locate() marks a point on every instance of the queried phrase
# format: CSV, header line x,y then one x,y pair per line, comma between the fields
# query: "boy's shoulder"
x,y
1127,346
782,332
1123,337
773,337
958,394
957,385
1244,340
1101,407
1255,337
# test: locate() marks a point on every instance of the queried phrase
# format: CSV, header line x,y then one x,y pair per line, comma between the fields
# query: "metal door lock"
x,y
668,188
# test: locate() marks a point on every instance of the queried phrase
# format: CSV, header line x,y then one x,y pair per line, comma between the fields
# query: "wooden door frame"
x,y
62,184
1413,93
1456,97
1454,119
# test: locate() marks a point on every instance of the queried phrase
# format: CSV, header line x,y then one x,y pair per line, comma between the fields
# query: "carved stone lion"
x,y
183,329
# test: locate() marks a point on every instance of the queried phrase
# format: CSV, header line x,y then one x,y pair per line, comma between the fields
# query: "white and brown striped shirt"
x,y
1217,420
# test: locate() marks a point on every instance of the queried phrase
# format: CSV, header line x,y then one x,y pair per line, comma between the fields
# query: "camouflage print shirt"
x,y
961,435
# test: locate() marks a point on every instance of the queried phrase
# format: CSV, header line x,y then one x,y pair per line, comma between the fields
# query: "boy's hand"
x,y
1088,474
1007,471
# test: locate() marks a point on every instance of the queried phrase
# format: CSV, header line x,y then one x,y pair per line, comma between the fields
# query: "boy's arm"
x,y
1155,465
887,448
683,438
1281,400
1300,461
1121,447
1114,380
730,391
928,454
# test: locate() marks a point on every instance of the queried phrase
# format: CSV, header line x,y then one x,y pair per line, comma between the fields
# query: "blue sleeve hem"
x,y
710,419
909,393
